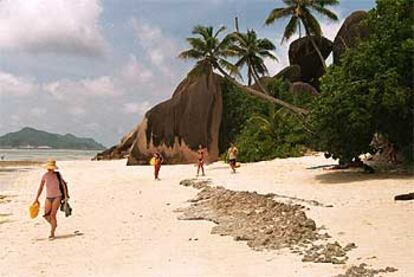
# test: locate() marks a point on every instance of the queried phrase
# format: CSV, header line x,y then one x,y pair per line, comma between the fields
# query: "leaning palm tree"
x,y
252,51
299,12
211,52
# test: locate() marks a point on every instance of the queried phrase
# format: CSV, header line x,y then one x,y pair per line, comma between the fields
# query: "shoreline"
x,y
124,223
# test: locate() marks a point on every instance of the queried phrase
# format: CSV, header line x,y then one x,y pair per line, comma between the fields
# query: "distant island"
x,y
32,138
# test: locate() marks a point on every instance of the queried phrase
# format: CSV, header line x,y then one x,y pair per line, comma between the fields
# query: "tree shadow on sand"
x,y
339,176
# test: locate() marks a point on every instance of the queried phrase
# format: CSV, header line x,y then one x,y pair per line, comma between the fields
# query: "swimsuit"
x,y
51,199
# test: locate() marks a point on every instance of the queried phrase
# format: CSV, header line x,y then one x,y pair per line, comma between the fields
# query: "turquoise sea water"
x,y
45,154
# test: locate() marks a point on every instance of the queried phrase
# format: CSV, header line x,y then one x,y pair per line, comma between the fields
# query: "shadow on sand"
x,y
338,176
68,236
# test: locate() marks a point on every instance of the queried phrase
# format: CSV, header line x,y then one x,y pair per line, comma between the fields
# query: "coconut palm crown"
x,y
300,13
252,51
209,50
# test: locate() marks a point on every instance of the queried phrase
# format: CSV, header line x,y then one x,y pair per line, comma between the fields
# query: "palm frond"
x,y
265,44
268,54
290,28
204,31
221,29
310,21
230,68
191,54
278,13
331,15
326,2
197,44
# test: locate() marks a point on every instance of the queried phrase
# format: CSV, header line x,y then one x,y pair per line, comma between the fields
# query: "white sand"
x,y
129,227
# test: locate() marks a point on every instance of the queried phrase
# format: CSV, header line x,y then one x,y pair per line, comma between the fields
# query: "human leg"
x,y
53,218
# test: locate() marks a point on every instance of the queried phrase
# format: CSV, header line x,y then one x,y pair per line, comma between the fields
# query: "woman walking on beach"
x,y
232,155
158,160
53,195
200,160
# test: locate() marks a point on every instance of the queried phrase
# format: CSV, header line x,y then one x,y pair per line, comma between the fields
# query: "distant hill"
x,y
29,137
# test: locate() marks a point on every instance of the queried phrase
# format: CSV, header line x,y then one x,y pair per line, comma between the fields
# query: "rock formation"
x,y
351,31
303,54
301,87
177,126
291,73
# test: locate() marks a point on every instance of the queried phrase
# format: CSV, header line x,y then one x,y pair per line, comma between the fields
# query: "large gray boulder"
x,y
351,32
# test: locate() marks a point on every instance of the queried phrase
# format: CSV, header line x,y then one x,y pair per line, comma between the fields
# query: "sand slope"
x,y
126,226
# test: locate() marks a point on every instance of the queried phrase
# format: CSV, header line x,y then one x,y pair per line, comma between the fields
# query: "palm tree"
x,y
211,52
299,12
251,52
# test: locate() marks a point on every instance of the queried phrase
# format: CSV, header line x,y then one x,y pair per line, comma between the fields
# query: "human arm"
x,y
39,190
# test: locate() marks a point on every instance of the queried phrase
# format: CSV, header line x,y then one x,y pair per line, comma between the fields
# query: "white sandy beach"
x,y
126,224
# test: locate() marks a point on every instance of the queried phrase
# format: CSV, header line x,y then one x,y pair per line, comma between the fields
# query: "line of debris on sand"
x,y
266,224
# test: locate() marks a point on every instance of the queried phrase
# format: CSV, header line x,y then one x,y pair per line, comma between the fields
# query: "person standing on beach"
x,y
232,156
53,195
158,160
200,160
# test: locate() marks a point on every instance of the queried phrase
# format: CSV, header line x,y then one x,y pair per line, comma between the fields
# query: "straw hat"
x,y
51,164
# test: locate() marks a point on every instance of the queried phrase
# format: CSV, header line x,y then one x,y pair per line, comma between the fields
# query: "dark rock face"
x,y
351,31
303,54
177,126
264,80
119,151
290,73
301,87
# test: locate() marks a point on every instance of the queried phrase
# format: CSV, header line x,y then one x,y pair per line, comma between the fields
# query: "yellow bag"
x,y
152,161
34,210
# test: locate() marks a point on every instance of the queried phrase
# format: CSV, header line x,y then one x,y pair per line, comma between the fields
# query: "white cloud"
x,y
158,47
87,88
136,108
38,112
134,73
57,26
16,85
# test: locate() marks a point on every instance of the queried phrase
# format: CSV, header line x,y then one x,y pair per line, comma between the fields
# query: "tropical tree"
x,y
300,13
371,91
211,52
252,51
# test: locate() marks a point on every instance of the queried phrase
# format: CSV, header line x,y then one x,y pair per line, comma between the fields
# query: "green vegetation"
x,y
35,138
211,52
260,130
372,90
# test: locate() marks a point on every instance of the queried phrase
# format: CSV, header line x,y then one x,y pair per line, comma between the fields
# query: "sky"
x,y
92,68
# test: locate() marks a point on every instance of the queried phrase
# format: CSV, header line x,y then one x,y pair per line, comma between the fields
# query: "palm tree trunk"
x,y
249,76
253,92
257,80
314,45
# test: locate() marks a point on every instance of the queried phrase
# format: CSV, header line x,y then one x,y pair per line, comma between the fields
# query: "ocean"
x,y
45,154
7,175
